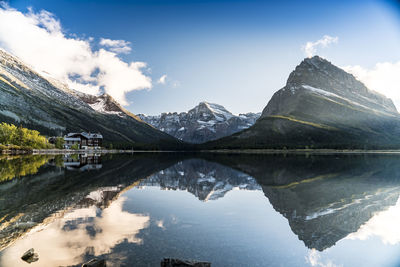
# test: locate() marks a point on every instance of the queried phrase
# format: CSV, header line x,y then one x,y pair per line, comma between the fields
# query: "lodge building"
x,y
83,140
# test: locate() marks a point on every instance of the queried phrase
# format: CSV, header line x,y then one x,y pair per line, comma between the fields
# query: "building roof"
x,y
87,135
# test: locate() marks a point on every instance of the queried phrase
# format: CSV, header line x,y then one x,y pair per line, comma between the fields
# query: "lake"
x,y
227,209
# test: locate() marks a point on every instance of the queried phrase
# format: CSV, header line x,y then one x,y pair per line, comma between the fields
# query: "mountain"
x,y
53,190
203,123
204,179
321,106
323,197
45,104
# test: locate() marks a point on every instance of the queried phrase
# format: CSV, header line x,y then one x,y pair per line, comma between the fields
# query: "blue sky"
x,y
234,53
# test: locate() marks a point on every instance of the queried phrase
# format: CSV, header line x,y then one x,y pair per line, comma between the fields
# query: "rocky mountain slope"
x,y
44,104
203,123
321,106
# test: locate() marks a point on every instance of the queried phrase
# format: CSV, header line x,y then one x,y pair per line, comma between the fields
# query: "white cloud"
x,y
117,46
162,79
310,48
38,39
383,78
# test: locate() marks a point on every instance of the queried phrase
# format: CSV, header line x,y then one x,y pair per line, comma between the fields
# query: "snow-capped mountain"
x,y
321,106
39,102
206,180
105,104
203,123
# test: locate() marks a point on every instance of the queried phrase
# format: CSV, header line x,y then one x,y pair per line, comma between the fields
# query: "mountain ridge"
x,y
205,122
45,104
321,106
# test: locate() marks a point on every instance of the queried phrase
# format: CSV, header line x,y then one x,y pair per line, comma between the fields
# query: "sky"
x,y
158,56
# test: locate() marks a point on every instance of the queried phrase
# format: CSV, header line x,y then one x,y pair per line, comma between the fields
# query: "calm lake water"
x,y
230,210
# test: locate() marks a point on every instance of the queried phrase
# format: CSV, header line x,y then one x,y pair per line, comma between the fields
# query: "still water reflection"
x,y
231,210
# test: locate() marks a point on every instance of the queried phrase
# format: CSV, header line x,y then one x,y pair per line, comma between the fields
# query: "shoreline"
x,y
219,151
302,151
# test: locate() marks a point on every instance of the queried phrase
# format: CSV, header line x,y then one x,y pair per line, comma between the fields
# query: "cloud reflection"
x,y
384,225
82,231
314,259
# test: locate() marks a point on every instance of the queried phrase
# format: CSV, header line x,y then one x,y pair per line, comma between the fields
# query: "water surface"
x,y
231,210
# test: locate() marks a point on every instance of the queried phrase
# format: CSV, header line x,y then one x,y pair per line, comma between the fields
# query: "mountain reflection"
x,y
40,198
325,198
80,234
204,179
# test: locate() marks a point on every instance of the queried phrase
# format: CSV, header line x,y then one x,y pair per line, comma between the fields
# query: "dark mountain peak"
x,y
110,104
202,106
321,106
207,105
203,103
320,74
105,103
316,60
40,102
317,72
206,110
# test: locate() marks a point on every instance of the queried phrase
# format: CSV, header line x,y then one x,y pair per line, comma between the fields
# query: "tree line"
x,y
21,137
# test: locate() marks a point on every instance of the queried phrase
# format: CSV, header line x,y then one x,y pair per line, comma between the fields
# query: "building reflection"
x,y
82,162
37,200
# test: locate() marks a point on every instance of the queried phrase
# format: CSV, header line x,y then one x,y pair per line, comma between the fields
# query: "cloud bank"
x,y
38,39
310,48
384,78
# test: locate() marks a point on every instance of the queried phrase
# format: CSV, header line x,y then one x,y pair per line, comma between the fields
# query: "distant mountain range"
x,y
321,106
203,123
45,104
204,179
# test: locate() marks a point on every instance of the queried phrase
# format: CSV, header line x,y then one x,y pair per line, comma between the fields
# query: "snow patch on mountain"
x,y
100,106
38,101
219,111
329,94
205,122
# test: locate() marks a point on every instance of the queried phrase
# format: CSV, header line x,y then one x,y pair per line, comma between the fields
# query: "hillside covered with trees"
x,y
17,137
